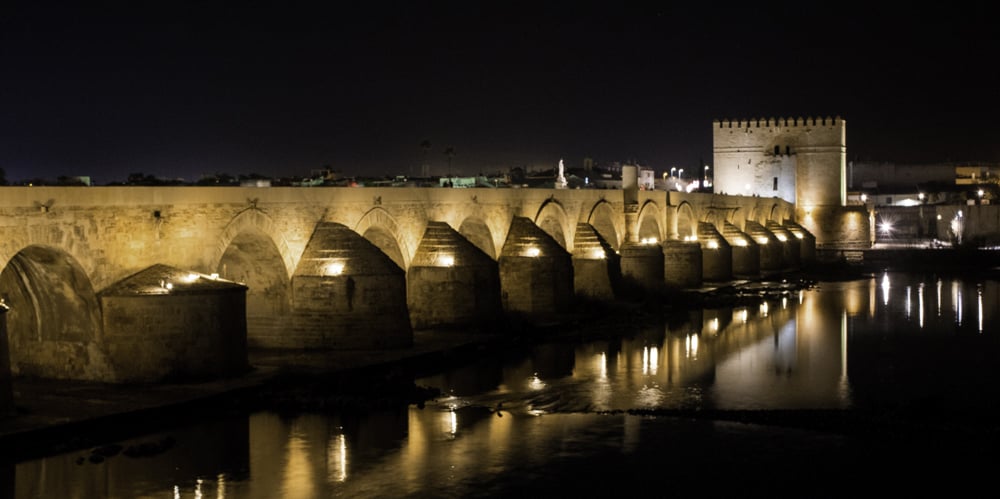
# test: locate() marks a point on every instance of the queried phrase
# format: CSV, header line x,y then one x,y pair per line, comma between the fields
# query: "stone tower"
x,y
802,161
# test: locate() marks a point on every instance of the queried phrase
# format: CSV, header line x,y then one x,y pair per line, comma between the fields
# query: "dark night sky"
x,y
176,89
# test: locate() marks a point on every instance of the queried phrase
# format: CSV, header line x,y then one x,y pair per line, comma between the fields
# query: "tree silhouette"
x,y
450,152
426,146
3,177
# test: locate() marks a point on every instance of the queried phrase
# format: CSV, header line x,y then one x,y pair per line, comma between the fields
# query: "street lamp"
x,y
680,173
672,170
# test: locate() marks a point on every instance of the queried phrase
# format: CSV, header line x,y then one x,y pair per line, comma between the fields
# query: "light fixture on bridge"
x,y
446,260
762,240
712,245
334,268
739,241
798,235
532,251
598,254
648,240
781,237
192,277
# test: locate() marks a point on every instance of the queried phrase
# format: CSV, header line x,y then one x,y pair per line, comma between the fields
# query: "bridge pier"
x,y
596,265
790,255
346,293
746,254
769,245
807,242
536,273
166,324
642,265
717,255
451,282
682,264
6,389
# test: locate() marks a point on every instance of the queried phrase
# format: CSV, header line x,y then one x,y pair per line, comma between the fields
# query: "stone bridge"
x,y
343,267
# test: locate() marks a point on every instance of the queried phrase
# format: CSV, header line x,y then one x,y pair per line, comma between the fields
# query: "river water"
x,y
609,417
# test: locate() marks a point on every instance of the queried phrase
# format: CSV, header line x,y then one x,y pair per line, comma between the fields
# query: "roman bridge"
x,y
344,267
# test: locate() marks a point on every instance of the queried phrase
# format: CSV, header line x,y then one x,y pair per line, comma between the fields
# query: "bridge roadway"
x,y
86,269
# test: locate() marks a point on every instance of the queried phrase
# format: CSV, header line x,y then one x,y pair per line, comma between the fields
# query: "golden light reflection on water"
x,y
298,480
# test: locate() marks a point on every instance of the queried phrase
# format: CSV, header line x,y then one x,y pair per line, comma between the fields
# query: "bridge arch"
x,y
738,217
382,230
552,219
257,225
686,221
477,232
602,219
778,213
650,221
54,322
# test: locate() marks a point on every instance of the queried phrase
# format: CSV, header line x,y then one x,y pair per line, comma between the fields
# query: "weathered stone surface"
x,y
596,265
346,293
536,273
746,254
717,255
642,265
451,282
682,264
6,389
164,323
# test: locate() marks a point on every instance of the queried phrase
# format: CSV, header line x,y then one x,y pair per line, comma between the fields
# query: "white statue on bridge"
x,y
561,179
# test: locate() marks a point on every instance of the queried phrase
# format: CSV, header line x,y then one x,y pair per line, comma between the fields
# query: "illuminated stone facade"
x,y
61,248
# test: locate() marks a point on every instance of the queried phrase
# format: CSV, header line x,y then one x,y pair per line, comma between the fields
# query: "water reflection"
x,y
862,343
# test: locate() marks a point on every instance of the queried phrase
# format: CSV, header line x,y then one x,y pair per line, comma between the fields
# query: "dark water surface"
x,y
749,400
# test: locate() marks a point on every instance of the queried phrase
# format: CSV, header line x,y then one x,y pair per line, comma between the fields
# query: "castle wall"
x,y
809,154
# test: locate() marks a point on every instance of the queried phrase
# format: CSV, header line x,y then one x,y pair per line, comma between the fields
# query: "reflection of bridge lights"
x,y
446,260
744,315
335,268
763,309
885,289
536,383
691,346
532,252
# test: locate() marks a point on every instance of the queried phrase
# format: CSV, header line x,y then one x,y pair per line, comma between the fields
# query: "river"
x,y
679,405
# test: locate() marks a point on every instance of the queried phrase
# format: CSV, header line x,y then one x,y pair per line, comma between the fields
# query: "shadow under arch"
x,y
602,219
551,218
252,221
687,221
650,222
778,213
380,229
54,322
737,217
479,234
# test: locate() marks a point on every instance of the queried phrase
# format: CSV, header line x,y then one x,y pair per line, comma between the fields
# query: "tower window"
x,y
777,150
774,184
788,150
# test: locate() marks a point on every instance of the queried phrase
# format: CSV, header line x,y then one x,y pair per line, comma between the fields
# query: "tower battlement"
x,y
789,122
